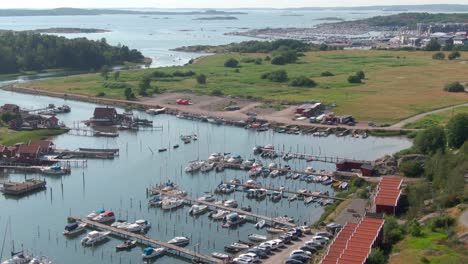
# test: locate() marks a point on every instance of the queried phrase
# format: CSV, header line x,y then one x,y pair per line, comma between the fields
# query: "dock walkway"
x,y
146,240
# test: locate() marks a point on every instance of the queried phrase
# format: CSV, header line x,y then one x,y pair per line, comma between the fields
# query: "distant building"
x,y
366,168
460,40
444,41
309,110
51,122
45,146
28,154
105,115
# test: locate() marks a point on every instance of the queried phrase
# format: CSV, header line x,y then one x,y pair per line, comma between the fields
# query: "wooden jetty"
x,y
239,211
288,191
22,167
20,188
297,155
103,154
147,241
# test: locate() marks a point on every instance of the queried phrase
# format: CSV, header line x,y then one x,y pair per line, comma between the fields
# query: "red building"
x,y
105,115
388,195
28,154
365,167
10,108
45,146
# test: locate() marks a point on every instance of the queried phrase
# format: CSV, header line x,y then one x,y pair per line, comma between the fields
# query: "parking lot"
x,y
283,254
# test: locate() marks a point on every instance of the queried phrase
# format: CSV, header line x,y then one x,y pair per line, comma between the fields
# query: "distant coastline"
x,y
217,18
70,30
330,19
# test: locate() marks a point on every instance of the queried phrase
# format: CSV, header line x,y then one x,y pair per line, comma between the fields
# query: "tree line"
x,y
26,51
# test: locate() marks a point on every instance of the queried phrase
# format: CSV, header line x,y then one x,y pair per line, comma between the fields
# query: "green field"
x,y
398,84
10,137
439,119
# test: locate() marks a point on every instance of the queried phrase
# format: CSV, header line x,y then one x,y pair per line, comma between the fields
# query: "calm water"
x,y
38,219
156,35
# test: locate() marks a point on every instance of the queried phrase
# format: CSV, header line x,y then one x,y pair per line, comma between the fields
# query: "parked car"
x,y
266,247
286,238
259,252
242,261
299,251
251,256
301,257
315,244
310,249
293,235
279,242
297,231
272,246
305,229
292,261
324,234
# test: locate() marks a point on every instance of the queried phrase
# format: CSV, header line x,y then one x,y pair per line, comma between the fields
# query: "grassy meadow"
x,y
398,84
10,137
439,119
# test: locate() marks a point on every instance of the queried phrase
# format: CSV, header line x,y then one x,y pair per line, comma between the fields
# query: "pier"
x,y
20,188
309,157
239,211
189,254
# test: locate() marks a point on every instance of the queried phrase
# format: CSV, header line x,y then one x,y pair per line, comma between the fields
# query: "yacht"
x,y
207,198
276,196
234,219
220,214
272,166
240,246
215,157
120,224
274,173
95,213
74,228
18,258
107,216
235,159
257,238
172,203
261,193
198,209
292,197
220,255
55,170
94,237
127,244
231,203
155,201
144,224
206,167
179,241
150,252
194,166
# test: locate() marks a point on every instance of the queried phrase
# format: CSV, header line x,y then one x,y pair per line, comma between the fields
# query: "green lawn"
x,y
10,137
398,84
439,119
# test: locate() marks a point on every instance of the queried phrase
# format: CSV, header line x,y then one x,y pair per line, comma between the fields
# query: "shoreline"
x,y
231,117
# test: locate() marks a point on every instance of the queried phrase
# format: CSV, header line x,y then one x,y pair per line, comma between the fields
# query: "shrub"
x,y
231,63
361,75
441,222
160,74
433,45
326,74
411,168
457,130
248,60
217,93
438,56
116,85
129,95
376,257
276,76
415,228
278,60
267,58
303,81
7,117
430,140
183,74
323,47
354,79
101,94
258,61
453,55
201,79
454,87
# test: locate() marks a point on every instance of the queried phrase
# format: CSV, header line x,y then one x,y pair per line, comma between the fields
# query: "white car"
x,y
315,243
250,255
279,241
321,238
270,244
324,234
300,252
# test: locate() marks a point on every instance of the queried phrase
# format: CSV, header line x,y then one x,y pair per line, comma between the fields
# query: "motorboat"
x,y
309,199
274,173
95,213
144,224
292,197
150,252
231,249
276,196
194,166
235,159
207,198
215,157
240,246
127,244
254,171
261,193
179,241
260,224
155,111
246,209
234,219
198,209
206,167
94,237
220,214
247,164
55,170
225,188
107,216
18,258
120,224
284,219
40,260
220,255
155,201
272,166
231,203
74,228
274,230
252,183
172,203
257,238
235,182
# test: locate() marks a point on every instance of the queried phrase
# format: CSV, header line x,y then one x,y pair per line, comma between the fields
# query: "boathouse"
x,y
354,242
105,115
388,195
28,154
45,146
366,168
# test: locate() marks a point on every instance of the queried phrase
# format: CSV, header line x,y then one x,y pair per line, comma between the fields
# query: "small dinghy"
x,y
260,224
220,255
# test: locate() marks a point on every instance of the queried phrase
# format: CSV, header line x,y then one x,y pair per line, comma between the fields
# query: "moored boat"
x,y
94,237
179,241
220,255
95,213
260,224
74,228
257,238
150,252
107,216
198,209
126,245
274,230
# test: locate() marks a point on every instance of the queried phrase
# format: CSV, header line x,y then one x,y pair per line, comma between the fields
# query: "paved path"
x,y
417,117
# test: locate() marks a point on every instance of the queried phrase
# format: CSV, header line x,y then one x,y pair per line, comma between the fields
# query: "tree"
x,y
438,56
231,63
104,71
392,231
144,85
454,55
354,79
323,47
278,60
129,95
376,257
457,130
454,87
411,168
303,81
276,76
415,228
116,75
433,45
201,79
361,75
430,140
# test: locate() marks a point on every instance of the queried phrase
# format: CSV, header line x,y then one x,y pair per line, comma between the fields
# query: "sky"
x,y
211,3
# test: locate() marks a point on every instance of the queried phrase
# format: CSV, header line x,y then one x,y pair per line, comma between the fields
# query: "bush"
x,y
278,60
276,76
160,74
303,81
392,231
231,63
438,56
415,228
101,94
361,75
411,168
326,74
258,61
267,58
116,85
323,47
7,117
129,95
454,87
201,79
354,79
457,130
217,93
376,257
433,45
454,55
183,74
441,222
430,140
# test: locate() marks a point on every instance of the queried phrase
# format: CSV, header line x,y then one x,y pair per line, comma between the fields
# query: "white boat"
x,y
95,213
220,255
234,219
144,224
309,199
206,167
194,166
120,224
230,203
220,214
94,237
40,260
150,252
274,230
207,198
156,111
215,157
198,209
257,238
292,197
272,166
55,170
240,246
74,228
107,216
260,224
172,203
274,173
179,241
18,258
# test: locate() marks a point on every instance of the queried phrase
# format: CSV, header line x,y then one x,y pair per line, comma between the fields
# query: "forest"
x,y
26,51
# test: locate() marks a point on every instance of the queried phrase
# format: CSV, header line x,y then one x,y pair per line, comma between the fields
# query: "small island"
x,y
70,30
217,18
330,19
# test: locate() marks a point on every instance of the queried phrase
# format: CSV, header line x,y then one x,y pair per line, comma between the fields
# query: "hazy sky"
x,y
211,3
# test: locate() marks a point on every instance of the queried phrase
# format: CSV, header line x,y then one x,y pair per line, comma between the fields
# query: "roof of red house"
x,y
43,144
10,107
104,112
25,149
389,191
354,243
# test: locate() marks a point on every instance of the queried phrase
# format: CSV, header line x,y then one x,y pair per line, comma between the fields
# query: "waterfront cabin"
x,y
51,122
28,154
105,116
45,146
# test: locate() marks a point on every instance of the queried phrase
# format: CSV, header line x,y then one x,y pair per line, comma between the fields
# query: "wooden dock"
x,y
20,188
239,211
311,157
293,192
147,241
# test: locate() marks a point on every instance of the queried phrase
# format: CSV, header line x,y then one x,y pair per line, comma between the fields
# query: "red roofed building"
x,y
105,115
388,195
10,108
46,146
354,242
28,154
